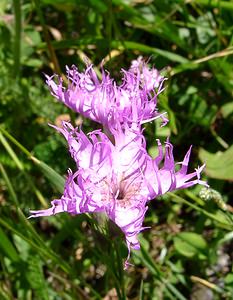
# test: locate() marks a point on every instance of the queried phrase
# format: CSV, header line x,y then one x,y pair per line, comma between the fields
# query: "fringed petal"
x,y
58,206
161,179
133,102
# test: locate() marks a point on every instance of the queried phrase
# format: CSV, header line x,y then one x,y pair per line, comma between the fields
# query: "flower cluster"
x,y
133,102
115,174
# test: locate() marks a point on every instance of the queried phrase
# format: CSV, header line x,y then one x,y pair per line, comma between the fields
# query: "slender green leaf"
x,y
7,247
56,180
130,45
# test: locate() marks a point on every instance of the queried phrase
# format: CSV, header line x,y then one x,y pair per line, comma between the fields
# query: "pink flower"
x,y
151,78
134,101
118,178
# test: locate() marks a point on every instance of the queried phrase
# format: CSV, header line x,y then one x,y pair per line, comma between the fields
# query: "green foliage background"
x,y
187,253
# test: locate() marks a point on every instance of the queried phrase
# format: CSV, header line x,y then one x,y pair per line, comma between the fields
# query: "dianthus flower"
x,y
118,178
103,101
149,77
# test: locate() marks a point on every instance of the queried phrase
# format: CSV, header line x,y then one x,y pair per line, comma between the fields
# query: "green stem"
x,y
216,3
109,26
194,197
20,166
9,185
219,139
120,270
15,142
50,48
17,39
179,199
11,152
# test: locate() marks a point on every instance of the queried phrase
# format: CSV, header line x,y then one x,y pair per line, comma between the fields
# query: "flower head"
x,y
134,101
151,78
118,178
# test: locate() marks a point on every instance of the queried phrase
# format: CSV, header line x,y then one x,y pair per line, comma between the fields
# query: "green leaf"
x,y
190,244
151,50
218,165
8,247
43,250
33,62
3,6
126,45
205,24
36,277
227,110
219,216
229,279
228,5
65,5
56,179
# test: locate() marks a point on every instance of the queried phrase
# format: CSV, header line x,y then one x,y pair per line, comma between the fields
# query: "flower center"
x,y
120,195
122,191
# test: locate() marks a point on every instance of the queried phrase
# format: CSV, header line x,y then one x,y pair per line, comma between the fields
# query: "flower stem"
x,y
50,48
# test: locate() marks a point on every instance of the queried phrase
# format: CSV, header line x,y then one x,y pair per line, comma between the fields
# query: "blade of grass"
x,y
174,290
179,199
112,259
9,185
208,284
159,275
194,197
150,50
119,45
11,152
49,47
56,179
4,295
120,269
5,244
43,251
158,27
21,168
8,247
17,37
226,52
141,290
228,5
194,64
14,141
82,293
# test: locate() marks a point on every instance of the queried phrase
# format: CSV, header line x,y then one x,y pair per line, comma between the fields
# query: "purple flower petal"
x,y
118,177
132,102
